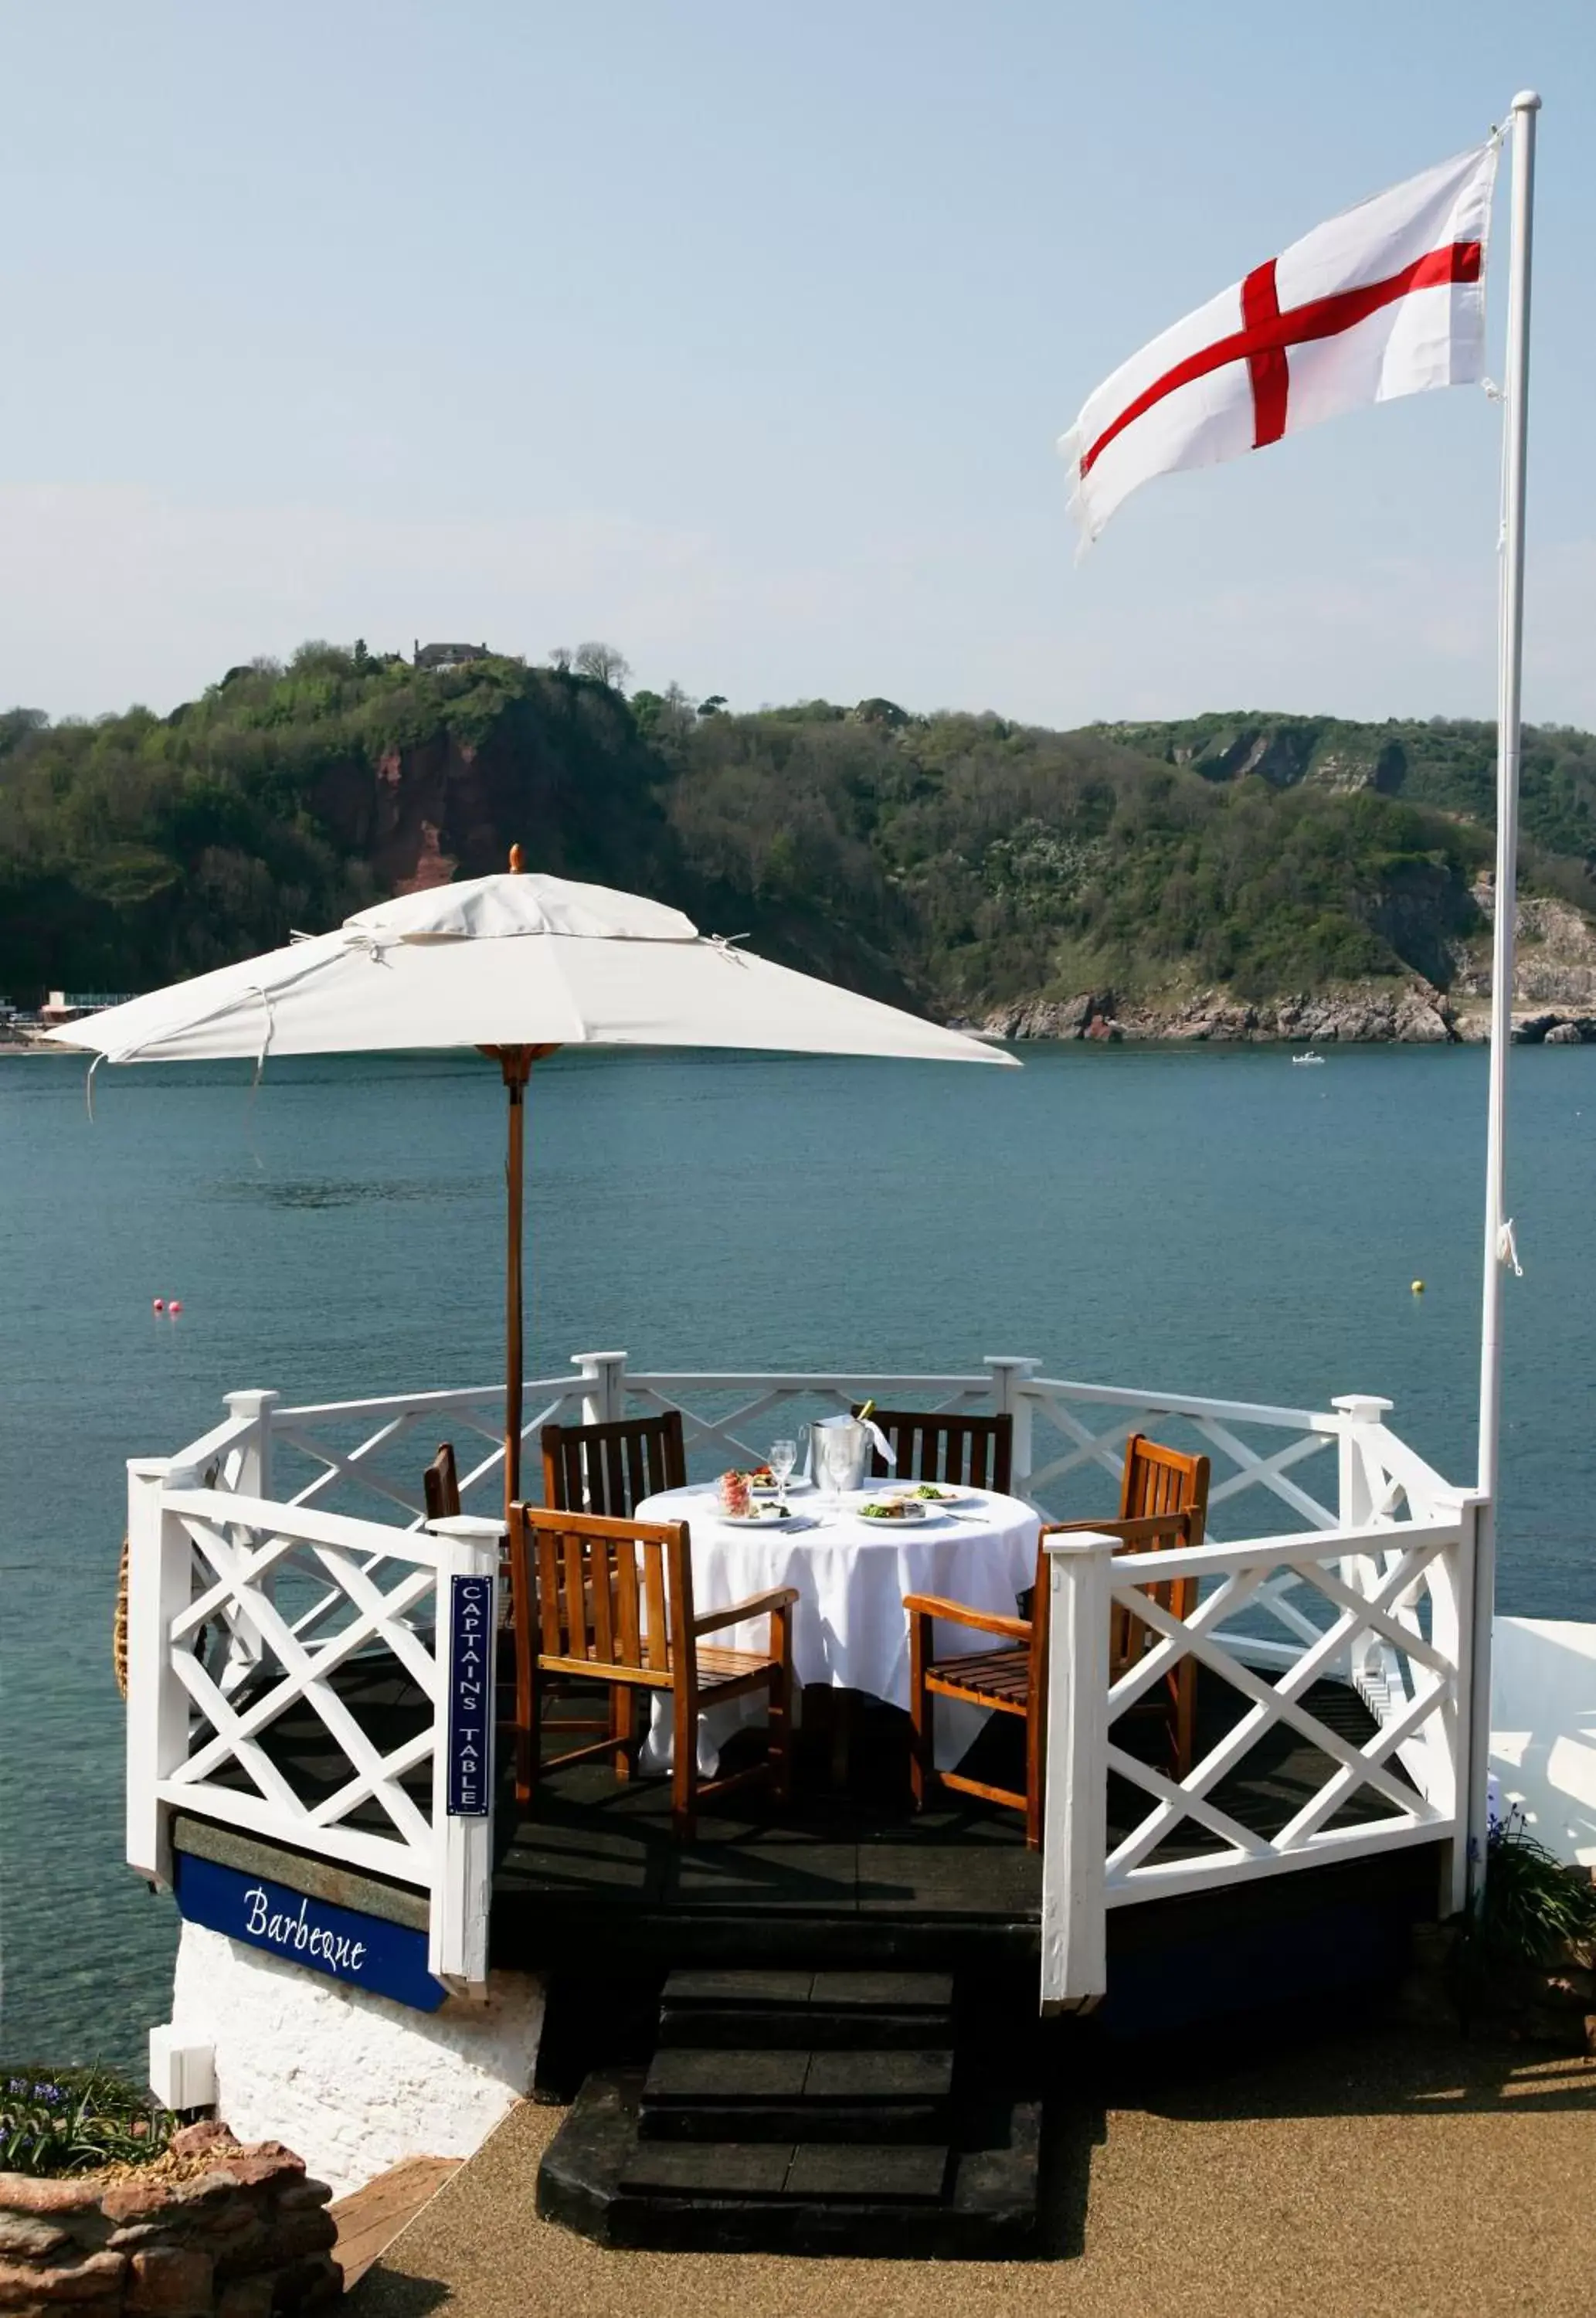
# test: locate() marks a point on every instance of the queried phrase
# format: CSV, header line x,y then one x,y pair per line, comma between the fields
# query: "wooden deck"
x,y
858,1876
593,1879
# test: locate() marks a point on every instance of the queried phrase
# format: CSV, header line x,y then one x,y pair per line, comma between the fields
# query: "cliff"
x,y
1231,876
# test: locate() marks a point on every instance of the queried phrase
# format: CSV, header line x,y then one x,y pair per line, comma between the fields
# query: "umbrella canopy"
x,y
509,961
517,965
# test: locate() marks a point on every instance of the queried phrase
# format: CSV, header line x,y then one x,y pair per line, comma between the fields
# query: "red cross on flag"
x,y
1387,299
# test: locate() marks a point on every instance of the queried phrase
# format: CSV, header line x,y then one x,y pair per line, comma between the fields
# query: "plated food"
x,y
763,1516
892,1509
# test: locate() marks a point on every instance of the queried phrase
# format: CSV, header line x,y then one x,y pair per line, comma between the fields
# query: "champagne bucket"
x,y
836,1429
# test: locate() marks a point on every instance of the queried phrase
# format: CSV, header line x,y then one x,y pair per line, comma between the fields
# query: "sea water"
x,y
1204,1220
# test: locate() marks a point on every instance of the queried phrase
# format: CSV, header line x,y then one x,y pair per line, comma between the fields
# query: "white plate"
x,y
894,1521
768,1488
950,1494
767,1517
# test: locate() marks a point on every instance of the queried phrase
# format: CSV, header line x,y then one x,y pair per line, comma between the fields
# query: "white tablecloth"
x,y
849,1627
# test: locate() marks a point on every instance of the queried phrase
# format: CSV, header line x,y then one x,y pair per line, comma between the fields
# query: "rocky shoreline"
x,y
1417,1016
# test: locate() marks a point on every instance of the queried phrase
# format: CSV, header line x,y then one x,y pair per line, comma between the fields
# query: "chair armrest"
x,y
960,1613
780,1597
1141,1531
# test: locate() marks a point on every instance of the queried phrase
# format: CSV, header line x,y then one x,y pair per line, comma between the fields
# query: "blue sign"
x,y
471,1698
359,1951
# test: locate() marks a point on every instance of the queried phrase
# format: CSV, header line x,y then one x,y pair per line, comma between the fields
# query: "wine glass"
x,y
783,1456
837,1457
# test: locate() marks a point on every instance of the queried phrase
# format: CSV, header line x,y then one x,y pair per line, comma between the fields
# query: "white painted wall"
x,y
351,2081
1543,1728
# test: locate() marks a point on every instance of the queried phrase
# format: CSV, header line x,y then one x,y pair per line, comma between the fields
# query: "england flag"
x,y
1387,299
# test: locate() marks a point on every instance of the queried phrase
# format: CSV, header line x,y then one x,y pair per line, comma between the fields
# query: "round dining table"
x,y
850,1631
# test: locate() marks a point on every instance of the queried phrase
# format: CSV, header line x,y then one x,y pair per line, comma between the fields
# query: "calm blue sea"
x,y
1209,1220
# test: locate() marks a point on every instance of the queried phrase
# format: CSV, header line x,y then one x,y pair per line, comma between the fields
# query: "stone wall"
x,y
355,2080
243,2235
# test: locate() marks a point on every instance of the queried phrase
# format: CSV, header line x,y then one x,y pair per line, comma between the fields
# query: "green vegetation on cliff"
x,y
963,862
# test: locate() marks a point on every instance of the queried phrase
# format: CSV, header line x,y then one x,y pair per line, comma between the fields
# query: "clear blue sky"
x,y
740,336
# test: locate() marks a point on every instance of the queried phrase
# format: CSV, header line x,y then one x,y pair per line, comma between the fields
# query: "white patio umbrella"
x,y
515,965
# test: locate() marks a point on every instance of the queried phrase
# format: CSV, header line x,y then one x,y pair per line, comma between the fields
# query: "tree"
x,y
559,659
603,663
715,705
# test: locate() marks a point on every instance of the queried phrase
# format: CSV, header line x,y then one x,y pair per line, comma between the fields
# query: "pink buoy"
x,y
175,1306
157,1304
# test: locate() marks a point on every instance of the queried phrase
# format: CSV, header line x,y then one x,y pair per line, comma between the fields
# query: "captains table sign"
x,y
470,1697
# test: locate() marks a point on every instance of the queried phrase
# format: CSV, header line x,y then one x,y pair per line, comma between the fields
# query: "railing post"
x,y
253,1475
1009,1375
159,1585
1473,1691
468,1546
1356,1503
1452,1735
1356,1506
1075,1802
605,1375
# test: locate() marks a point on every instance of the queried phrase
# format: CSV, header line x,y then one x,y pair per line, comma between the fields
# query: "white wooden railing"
x,y
257,1570
1388,1605
243,1611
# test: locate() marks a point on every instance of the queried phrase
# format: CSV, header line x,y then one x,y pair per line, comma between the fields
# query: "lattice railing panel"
x,y
1078,1436
731,1420
269,1667
1416,1724
341,1456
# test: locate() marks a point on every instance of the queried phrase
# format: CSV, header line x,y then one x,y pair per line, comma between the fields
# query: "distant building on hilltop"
x,y
435,656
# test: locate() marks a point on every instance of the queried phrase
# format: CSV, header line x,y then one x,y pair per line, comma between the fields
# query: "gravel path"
x,y
1392,2174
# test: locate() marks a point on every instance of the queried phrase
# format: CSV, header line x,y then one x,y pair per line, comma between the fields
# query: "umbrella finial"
x,y
517,861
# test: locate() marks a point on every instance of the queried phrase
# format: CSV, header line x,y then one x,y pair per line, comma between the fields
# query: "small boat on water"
x,y
1309,1057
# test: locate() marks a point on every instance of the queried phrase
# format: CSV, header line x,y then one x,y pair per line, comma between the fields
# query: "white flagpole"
x,y
1515,438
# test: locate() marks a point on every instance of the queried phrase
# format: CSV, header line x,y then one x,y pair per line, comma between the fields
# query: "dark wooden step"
x,y
807,2010
858,2174
693,2093
974,2198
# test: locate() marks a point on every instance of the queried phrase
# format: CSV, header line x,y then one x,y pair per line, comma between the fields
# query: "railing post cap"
x,y
251,1403
475,1527
593,1359
148,1469
1079,1541
1009,1360
1362,1404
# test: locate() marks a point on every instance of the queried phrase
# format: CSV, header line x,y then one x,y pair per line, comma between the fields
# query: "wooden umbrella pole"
x,y
516,1064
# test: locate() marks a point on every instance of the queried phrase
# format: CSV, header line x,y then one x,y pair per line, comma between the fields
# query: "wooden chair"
x,y
1156,1482
611,1468
611,1602
977,1452
440,1485
1164,1502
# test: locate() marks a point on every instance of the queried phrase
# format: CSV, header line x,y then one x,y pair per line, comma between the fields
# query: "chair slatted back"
x,y
440,1485
610,1468
605,1592
1158,1480
974,1453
